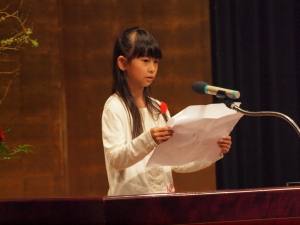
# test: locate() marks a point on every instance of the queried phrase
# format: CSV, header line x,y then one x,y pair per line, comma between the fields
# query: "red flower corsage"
x,y
163,107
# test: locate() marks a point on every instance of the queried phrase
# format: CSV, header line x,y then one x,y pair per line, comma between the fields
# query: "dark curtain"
x,y
256,50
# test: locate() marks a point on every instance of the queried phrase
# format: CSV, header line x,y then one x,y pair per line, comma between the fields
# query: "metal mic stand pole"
x,y
221,95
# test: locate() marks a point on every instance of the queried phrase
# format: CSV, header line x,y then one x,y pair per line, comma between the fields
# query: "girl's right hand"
x,y
161,134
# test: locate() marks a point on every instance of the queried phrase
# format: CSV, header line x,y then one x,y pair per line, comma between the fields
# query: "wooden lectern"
x,y
249,206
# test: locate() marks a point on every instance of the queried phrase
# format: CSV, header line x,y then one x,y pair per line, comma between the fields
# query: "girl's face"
x,y
141,72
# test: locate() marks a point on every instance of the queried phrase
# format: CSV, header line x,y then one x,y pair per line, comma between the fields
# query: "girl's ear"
x,y
122,63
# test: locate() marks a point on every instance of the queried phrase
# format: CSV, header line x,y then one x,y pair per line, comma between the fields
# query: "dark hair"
x,y
134,43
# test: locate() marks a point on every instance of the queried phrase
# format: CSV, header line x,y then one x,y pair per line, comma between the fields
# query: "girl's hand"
x,y
161,134
225,144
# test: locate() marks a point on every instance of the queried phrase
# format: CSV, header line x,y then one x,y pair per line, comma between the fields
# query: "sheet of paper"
x,y
197,129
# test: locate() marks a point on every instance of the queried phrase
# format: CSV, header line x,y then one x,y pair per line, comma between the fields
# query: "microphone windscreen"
x,y
198,87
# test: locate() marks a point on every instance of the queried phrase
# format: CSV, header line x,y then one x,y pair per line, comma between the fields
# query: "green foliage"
x,y
34,43
14,34
20,36
5,153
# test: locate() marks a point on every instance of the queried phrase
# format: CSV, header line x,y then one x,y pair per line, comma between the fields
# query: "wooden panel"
x,y
52,211
253,206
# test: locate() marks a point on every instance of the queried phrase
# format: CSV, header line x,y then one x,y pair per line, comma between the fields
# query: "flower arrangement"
x,y
5,153
14,33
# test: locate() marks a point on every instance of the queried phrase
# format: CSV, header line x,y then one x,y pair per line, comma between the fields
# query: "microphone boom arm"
x,y
230,104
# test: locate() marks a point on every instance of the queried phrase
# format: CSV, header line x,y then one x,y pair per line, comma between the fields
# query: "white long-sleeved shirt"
x,y
126,158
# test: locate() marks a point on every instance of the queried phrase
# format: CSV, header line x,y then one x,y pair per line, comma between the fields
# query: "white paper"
x,y
197,129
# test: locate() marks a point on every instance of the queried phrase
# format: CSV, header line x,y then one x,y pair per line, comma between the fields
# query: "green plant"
x,y
5,153
14,33
21,35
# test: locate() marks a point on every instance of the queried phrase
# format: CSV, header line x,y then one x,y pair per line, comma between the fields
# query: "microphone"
x,y
203,88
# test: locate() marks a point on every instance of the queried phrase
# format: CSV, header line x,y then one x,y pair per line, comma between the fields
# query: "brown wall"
x,y
56,102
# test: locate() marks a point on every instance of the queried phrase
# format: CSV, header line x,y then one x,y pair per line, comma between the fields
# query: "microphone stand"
x,y
221,95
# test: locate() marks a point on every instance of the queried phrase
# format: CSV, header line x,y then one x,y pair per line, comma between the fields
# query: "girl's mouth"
x,y
149,78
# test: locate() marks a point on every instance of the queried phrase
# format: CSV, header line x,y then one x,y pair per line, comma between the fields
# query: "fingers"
x,y
161,134
225,144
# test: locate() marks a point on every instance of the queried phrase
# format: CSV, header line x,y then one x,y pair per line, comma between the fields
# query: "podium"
x,y
248,206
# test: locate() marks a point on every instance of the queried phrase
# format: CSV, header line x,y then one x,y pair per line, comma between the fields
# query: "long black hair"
x,y
134,43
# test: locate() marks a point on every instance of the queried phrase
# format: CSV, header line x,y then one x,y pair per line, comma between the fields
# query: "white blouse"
x,y
126,159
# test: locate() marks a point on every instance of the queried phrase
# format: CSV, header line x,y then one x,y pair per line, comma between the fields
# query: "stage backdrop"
x,y
56,100
256,50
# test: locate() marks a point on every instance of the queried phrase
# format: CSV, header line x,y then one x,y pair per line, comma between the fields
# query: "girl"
x,y
132,124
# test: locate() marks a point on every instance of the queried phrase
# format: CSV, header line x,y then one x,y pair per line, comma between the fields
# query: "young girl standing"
x,y
132,123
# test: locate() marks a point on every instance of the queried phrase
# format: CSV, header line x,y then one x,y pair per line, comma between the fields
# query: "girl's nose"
x,y
152,67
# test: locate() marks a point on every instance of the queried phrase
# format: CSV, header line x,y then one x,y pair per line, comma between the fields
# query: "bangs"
x,y
144,45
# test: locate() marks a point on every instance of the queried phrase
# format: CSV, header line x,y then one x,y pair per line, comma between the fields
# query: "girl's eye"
x,y
148,60
145,59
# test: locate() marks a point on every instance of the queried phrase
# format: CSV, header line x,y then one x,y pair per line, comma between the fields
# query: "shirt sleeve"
x,y
120,153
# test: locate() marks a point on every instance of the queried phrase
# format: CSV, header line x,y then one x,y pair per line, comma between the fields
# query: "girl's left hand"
x,y
225,144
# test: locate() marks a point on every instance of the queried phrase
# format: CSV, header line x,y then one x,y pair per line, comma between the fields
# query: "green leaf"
x,y
9,157
34,43
25,146
8,130
28,151
28,31
4,151
3,144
